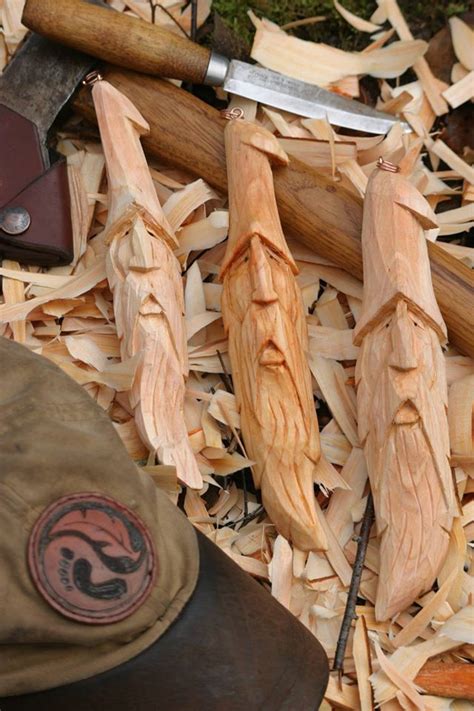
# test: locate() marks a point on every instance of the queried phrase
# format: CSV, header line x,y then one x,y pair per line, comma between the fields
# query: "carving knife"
x,y
135,44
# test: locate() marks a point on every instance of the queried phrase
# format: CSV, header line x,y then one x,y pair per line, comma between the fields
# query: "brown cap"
x,y
96,562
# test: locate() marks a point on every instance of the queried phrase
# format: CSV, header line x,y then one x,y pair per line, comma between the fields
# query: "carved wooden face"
x,y
265,299
401,370
401,399
264,317
401,359
267,335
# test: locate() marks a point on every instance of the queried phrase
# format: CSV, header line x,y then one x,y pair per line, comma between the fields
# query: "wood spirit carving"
x,y
145,279
265,321
402,392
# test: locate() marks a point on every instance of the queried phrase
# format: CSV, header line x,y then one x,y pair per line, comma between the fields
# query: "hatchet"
x,y
35,218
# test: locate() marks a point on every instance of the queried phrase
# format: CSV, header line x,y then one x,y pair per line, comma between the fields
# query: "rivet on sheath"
x,y
14,220
386,165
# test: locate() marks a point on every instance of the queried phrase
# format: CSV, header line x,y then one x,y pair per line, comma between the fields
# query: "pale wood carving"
x,y
264,316
145,279
402,392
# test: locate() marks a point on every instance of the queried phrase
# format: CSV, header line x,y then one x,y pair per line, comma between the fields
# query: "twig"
x,y
155,5
225,377
246,493
349,612
246,519
194,14
305,21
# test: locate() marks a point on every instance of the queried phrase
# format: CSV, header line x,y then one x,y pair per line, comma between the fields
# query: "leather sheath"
x,y
44,192
233,648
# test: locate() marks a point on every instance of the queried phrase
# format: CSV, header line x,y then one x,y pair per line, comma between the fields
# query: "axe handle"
x,y
118,38
189,134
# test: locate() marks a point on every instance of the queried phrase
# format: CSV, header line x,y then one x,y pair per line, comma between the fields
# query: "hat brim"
x,y
232,648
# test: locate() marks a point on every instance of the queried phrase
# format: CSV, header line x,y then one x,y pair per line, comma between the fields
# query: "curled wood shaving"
x,y
13,31
76,286
355,21
320,64
431,85
463,41
66,314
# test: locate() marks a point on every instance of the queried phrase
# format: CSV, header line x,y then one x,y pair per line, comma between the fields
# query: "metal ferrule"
x,y
216,70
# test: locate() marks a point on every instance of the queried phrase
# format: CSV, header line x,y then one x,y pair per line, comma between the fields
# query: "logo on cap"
x,y
91,558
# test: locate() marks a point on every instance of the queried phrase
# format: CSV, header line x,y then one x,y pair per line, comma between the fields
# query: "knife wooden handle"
x,y
189,134
118,38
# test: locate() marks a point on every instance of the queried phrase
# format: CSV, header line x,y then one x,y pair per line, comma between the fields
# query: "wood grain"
x,y
264,318
402,393
145,279
118,38
454,680
189,134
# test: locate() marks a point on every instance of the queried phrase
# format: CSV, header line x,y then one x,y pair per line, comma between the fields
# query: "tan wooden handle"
x,y
189,134
118,38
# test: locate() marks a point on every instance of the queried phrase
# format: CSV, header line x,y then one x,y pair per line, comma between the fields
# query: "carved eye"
x,y
246,258
415,323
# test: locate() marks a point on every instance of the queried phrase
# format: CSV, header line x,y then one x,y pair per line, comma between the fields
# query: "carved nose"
x,y
261,274
404,346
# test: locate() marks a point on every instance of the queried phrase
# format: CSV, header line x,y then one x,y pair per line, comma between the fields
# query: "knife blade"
x,y
132,43
35,219
303,99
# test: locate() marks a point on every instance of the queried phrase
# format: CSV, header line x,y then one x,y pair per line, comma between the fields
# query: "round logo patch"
x,y
91,558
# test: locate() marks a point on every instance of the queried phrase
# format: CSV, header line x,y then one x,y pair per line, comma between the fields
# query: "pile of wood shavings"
x,y
66,314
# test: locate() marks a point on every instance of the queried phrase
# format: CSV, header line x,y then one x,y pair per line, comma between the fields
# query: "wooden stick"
x,y
402,393
189,134
145,279
264,317
452,679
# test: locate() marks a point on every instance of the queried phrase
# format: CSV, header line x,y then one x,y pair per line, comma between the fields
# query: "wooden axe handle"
x,y
118,38
189,134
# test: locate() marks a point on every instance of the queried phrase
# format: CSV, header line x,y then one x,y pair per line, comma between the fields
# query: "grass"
x,y
425,17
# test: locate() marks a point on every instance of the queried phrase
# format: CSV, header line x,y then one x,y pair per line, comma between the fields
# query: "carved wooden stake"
x,y
145,278
264,317
402,393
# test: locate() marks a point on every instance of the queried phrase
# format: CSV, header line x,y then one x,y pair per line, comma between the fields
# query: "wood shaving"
x,y
66,314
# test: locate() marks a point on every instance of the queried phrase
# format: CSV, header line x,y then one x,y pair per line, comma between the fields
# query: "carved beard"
x,y
152,300
401,400
267,346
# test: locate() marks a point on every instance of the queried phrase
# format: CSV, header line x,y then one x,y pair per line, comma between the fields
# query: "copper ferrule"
x,y
92,78
235,113
386,165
